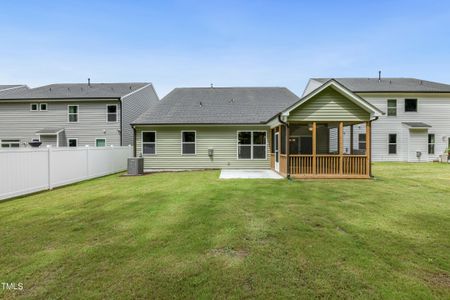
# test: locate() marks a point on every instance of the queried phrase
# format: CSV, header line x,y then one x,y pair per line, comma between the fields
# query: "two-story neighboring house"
x,y
416,122
76,114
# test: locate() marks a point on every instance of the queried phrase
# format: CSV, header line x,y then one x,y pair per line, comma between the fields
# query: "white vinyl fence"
x,y
24,171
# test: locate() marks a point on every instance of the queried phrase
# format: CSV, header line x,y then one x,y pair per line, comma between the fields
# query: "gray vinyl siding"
x,y
328,105
133,106
18,122
433,109
223,139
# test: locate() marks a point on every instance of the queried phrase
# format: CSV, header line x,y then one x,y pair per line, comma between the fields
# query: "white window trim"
x,y
68,113
387,107
9,143
96,139
195,143
251,145
76,139
46,105
117,113
434,144
142,143
31,106
396,143
417,105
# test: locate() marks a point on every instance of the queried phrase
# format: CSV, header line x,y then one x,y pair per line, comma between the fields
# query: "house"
x,y
257,128
416,123
75,114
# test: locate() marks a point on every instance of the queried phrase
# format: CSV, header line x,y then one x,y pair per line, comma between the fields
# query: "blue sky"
x,y
228,43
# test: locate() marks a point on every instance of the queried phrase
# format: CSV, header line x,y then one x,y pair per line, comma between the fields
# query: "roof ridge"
x,y
233,87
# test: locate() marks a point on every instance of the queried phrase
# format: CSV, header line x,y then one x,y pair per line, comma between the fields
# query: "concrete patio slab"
x,y
246,174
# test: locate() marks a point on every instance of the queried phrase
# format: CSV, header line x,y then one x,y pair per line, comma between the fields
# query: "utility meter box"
x,y
418,154
210,152
135,166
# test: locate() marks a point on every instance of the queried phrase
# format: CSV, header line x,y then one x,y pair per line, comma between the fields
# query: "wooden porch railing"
x,y
354,165
283,164
328,165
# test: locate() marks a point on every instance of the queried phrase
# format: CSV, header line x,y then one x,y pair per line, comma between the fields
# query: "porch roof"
x,y
49,131
416,125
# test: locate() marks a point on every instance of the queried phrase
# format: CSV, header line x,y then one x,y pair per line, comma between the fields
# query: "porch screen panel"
x,y
327,138
283,140
300,139
272,142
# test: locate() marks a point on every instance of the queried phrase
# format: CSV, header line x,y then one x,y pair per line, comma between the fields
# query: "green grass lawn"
x,y
191,235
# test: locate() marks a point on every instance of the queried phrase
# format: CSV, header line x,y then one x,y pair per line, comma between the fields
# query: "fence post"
x,y
87,161
49,166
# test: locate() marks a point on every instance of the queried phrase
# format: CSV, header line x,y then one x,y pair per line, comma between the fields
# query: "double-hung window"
x,y
188,139
252,145
10,143
72,111
431,141
392,143
392,107
111,111
148,142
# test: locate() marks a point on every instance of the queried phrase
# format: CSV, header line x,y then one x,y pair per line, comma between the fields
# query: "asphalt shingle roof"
x,y
75,91
389,85
251,105
8,86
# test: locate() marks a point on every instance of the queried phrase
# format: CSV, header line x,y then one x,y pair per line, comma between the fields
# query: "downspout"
x,y
134,141
371,146
121,121
288,174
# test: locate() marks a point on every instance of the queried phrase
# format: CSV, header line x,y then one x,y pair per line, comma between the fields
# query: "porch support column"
x,y
368,148
279,149
351,139
314,143
341,146
288,166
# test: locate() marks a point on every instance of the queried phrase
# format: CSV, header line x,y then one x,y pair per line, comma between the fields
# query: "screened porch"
x,y
321,149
